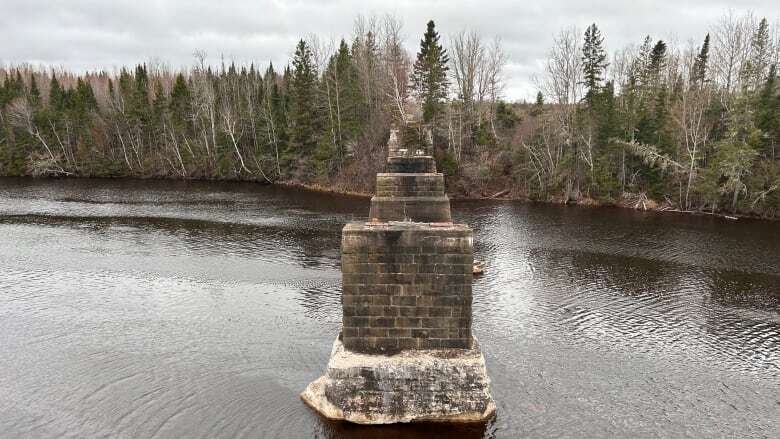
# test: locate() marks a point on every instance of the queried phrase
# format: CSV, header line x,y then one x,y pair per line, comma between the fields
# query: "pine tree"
x,y
303,92
657,61
639,67
80,103
18,84
180,99
160,103
699,71
768,113
34,94
429,76
139,97
345,99
755,69
365,57
539,99
159,117
56,98
594,61
86,95
538,105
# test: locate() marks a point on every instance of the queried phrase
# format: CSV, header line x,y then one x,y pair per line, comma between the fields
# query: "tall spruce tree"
x,y
699,71
140,107
34,93
429,76
344,99
768,113
56,95
86,96
594,62
303,92
159,104
180,99
760,53
657,61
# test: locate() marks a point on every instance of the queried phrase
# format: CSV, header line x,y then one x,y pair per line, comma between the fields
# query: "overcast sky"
x,y
106,34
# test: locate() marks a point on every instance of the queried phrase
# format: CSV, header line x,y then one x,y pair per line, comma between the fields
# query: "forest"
x,y
690,127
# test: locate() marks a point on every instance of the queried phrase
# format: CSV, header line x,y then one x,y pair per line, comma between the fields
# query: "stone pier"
x,y
406,352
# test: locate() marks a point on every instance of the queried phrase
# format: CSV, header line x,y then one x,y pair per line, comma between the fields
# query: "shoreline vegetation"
x,y
633,203
685,128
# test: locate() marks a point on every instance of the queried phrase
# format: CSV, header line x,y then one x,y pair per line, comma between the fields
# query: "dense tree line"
x,y
693,128
322,118
690,128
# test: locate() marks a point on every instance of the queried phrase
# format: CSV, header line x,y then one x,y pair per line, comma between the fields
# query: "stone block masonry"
x,y
406,286
416,197
409,185
405,352
422,209
419,164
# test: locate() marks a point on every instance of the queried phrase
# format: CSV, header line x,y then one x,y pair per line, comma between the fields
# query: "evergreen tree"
x,y
180,99
139,95
303,112
86,96
640,65
111,92
699,71
160,103
755,69
538,105
768,113
34,95
657,61
19,84
56,95
365,56
607,118
735,153
594,61
429,75
345,99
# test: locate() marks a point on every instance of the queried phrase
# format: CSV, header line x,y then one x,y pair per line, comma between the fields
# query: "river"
x,y
195,309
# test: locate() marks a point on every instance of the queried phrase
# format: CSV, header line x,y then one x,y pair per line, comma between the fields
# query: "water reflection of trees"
x,y
742,320
622,275
305,243
745,290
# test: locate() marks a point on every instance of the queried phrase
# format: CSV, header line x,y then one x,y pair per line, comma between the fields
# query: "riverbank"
x,y
632,202
628,201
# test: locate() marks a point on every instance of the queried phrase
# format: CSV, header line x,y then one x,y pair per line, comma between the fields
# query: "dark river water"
x,y
170,309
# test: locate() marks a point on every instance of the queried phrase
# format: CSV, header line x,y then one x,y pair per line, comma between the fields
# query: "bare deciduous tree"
x,y
731,47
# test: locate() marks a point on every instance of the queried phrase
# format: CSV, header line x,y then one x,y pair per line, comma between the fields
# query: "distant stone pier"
x,y
406,352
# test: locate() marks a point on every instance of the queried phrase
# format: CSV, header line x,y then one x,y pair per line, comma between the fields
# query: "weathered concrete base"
x,y
439,385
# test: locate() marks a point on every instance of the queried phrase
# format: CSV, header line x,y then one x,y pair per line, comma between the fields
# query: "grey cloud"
x,y
95,34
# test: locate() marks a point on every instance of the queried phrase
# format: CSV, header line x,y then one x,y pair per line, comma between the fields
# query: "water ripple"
x,y
147,309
